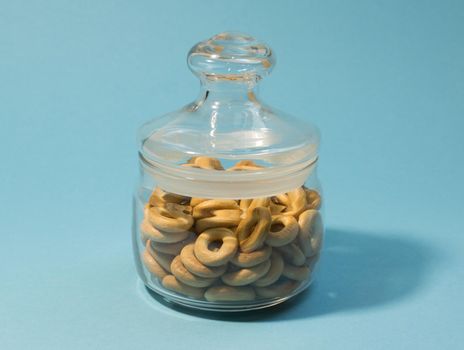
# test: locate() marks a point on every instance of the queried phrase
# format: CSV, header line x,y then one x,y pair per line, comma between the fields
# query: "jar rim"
x,y
207,183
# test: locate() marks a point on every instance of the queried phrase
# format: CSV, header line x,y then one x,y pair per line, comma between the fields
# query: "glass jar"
x,y
227,210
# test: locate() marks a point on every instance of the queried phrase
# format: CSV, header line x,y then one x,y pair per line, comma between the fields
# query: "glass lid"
x,y
227,121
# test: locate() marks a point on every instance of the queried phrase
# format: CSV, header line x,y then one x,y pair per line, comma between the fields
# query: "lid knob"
x,y
231,56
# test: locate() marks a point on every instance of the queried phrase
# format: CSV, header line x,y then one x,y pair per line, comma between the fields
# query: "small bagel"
x,y
152,265
191,263
274,273
204,163
252,231
223,254
246,275
171,218
292,254
254,258
164,260
228,293
279,289
185,276
219,218
205,208
283,230
311,230
297,273
170,282
172,248
296,202
245,165
313,198
148,232
159,198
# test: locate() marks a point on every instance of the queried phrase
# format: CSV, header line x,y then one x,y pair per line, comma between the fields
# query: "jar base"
x,y
175,299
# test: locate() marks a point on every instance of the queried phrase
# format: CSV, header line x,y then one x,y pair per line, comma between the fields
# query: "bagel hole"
x,y
277,227
215,245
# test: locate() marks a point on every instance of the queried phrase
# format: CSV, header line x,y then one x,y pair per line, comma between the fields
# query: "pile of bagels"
x,y
227,250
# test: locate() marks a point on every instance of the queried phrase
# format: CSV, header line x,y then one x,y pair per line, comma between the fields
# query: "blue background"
x,y
384,80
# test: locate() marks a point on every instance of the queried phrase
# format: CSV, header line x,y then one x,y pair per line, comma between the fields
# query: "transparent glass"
x,y
227,208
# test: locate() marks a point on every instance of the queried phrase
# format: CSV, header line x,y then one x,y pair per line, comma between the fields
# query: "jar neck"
x,y
213,92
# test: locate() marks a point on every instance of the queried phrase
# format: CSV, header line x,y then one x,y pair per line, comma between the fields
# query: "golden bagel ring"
x,y
279,289
313,198
251,259
185,276
220,218
159,198
274,273
311,229
296,202
245,165
148,232
204,163
228,293
172,248
252,231
170,218
204,209
191,263
164,260
246,275
286,234
223,254
152,265
293,254
297,273
170,282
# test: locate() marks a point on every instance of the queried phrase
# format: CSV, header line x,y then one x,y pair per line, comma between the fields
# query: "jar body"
x,y
227,253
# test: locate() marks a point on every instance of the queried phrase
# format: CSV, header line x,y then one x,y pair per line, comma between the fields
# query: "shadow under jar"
x,y
227,209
